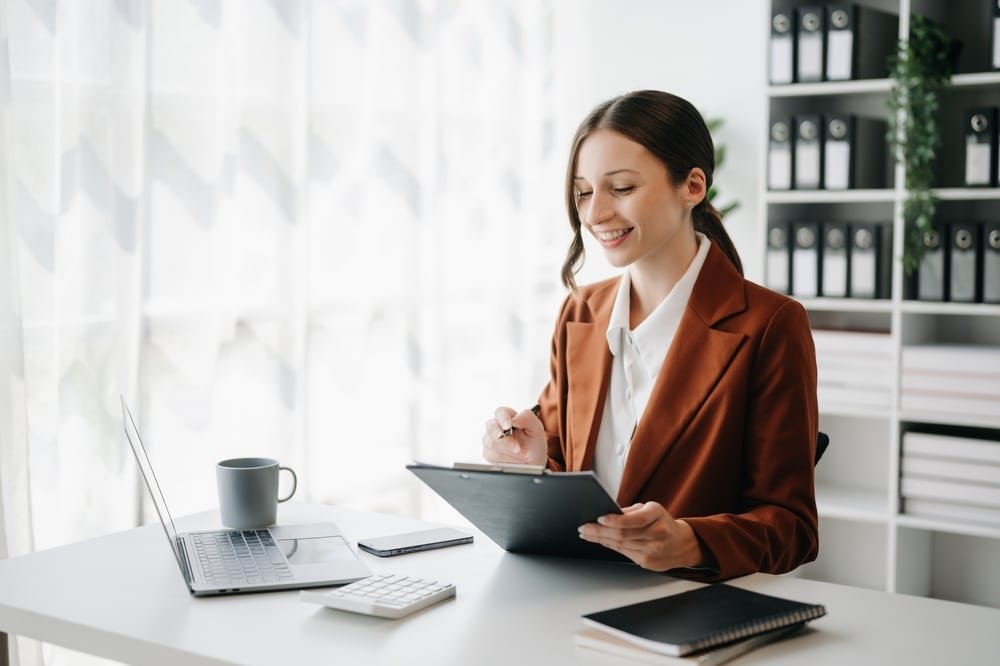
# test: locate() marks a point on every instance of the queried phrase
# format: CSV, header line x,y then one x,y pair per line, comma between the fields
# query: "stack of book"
x,y
951,478
855,369
951,379
708,625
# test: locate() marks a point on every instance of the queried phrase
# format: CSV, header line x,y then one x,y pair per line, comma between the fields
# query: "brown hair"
x,y
672,130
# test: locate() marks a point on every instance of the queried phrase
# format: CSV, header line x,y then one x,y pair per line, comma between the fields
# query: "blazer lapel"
x,y
588,368
695,363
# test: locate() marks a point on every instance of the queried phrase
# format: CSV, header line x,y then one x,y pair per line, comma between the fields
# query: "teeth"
x,y
611,235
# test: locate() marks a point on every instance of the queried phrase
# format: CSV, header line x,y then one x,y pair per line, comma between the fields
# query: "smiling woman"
x,y
690,391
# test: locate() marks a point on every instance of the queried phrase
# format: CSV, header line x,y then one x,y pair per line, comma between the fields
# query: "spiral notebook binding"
x,y
758,626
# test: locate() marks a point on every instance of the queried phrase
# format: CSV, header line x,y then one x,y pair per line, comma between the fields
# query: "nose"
x,y
599,209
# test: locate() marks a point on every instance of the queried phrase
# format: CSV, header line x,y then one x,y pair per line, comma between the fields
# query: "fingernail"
x,y
601,520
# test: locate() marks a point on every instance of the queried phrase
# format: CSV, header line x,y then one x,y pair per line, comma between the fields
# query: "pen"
x,y
536,410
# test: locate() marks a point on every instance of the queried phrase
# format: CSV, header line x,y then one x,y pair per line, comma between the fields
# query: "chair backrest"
x,y
822,441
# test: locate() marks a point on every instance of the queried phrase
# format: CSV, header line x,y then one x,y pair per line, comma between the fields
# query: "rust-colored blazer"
x,y
728,438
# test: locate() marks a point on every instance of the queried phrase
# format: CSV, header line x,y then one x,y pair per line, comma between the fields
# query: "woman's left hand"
x,y
648,535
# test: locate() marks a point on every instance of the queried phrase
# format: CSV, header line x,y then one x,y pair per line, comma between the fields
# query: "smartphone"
x,y
411,542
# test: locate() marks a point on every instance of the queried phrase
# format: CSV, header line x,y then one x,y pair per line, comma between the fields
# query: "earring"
x,y
690,203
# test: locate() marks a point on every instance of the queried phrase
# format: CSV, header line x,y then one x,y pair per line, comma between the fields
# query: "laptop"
x,y
228,561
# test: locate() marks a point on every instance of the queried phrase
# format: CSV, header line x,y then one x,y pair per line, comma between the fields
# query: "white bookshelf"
x,y
853,503
865,539
830,196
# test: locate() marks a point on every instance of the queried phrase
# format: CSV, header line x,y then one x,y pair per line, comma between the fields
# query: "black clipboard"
x,y
526,509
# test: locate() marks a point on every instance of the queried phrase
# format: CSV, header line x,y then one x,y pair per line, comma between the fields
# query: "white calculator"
x,y
383,595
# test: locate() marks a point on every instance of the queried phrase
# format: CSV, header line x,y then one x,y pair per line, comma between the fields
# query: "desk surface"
x,y
122,597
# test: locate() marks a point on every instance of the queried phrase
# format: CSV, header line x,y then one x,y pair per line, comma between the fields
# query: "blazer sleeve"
x,y
778,530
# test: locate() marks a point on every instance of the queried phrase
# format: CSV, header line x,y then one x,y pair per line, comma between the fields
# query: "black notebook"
x,y
701,618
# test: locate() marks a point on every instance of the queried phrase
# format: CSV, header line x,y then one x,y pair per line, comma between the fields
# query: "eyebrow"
x,y
609,173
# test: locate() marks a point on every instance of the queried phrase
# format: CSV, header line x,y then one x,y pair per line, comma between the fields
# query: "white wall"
x,y
711,52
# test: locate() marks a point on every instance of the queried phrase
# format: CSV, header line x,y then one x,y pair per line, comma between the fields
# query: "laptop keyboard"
x,y
240,557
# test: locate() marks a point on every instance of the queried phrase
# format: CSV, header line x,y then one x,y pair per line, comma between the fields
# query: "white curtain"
x,y
323,231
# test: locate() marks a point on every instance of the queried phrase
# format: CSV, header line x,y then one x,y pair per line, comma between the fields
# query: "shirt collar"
x,y
618,324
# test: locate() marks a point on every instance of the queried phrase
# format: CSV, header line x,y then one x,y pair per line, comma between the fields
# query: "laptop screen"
x,y
132,433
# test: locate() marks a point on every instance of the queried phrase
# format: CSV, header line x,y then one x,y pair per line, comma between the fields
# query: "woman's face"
x,y
626,200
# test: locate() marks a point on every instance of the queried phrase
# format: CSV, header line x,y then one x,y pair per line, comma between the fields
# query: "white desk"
x,y
122,597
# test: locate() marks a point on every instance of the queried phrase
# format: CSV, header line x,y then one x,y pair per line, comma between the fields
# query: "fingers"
x,y
641,529
504,417
508,449
493,428
526,419
523,443
637,516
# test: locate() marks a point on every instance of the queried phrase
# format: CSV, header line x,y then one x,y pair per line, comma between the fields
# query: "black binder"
x,y
991,262
808,160
870,260
532,511
835,267
810,47
859,41
780,156
932,273
854,152
981,147
966,268
781,66
778,269
805,259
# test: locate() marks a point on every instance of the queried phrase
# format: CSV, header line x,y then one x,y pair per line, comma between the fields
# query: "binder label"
x,y
811,56
863,275
838,156
779,167
977,162
777,270
781,59
807,165
835,275
839,46
996,43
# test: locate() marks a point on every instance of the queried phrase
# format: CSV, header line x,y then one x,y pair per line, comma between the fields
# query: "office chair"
x,y
822,441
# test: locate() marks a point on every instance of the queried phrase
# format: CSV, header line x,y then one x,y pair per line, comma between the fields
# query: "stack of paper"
x,y
957,379
855,369
952,478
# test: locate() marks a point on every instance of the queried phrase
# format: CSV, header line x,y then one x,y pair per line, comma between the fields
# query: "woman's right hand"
x,y
525,446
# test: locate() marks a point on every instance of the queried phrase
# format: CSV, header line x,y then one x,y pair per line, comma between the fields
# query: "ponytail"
x,y
708,221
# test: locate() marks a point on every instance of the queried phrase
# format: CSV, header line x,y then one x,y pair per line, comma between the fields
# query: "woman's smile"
x,y
612,238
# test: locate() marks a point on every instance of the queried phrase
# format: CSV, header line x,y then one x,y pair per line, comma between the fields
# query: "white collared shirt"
x,y
637,357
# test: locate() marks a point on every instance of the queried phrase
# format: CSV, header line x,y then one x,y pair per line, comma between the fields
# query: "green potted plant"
x,y
921,72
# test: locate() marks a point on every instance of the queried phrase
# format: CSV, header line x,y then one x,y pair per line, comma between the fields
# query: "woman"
x,y
689,391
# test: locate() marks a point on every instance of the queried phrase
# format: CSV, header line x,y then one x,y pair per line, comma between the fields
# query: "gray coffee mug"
x,y
248,491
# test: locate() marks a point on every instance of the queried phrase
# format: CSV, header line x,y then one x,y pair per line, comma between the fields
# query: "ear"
x,y
694,188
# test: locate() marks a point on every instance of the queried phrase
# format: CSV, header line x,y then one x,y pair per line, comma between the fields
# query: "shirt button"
x,y
619,448
628,393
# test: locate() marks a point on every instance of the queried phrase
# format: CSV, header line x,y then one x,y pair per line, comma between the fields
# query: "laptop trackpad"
x,y
316,550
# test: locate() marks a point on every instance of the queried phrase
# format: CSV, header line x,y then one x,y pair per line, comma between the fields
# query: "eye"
x,y
623,190
582,195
